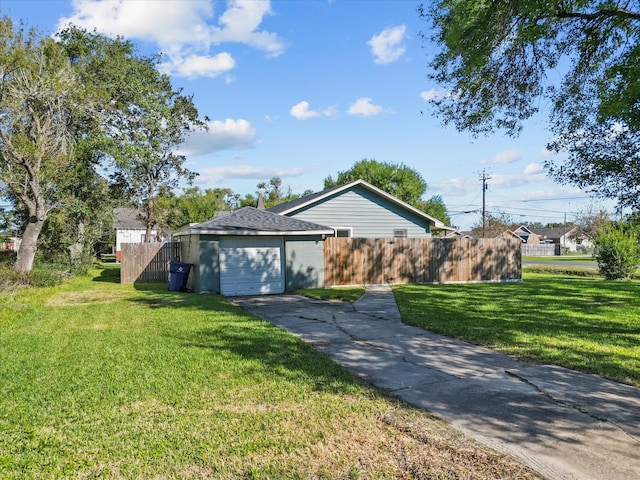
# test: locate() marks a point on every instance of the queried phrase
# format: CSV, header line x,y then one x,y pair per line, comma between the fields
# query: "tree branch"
x,y
600,14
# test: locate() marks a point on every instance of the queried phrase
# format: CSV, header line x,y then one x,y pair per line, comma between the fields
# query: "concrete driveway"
x,y
563,424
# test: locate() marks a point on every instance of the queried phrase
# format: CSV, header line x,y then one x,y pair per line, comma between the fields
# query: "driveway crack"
x,y
546,394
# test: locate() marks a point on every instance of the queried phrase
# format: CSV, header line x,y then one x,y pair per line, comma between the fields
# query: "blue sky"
x,y
303,89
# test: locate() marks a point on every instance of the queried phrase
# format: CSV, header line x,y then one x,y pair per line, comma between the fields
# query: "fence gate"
x,y
147,262
359,261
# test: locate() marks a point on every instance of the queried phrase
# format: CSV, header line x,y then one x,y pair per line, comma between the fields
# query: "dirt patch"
x,y
87,297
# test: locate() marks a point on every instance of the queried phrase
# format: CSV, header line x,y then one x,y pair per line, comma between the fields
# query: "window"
x,y
400,233
346,232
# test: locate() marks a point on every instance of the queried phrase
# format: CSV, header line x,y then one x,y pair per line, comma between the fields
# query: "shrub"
x,y
618,252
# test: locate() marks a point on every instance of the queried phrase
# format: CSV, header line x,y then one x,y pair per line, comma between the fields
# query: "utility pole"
x,y
484,179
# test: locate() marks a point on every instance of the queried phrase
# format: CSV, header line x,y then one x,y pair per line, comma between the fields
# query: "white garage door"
x,y
251,266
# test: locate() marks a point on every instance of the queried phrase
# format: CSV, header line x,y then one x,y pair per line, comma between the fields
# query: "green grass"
x,y
562,258
102,380
582,323
345,294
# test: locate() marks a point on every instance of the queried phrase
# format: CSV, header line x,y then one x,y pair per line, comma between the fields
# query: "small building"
x,y
130,229
570,238
253,252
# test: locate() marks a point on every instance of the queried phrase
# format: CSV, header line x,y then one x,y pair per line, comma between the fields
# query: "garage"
x,y
253,252
251,265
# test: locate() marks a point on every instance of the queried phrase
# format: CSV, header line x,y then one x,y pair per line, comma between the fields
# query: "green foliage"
x,y
617,251
41,99
499,61
400,181
145,116
345,294
436,207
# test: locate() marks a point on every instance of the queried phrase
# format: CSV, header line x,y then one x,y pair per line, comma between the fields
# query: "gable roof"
x,y
125,218
556,232
251,221
297,204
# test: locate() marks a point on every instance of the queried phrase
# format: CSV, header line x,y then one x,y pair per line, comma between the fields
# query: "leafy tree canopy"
x,y
501,61
401,181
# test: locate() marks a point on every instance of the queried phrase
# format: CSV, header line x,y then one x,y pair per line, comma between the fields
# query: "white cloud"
x,y
218,174
454,187
387,46
364,107
301,111
546,153
432,94
508,156
185,30
194,66
240,23
220,136
533,169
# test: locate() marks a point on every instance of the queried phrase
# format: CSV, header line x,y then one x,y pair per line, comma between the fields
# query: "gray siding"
x,y
305,263
202,252
209,264
368,215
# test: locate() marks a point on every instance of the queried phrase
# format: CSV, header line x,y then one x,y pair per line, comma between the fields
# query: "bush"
x,y
618,252
43,276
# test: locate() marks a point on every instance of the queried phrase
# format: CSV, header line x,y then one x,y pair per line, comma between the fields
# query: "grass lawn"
x,y
102,380
586,324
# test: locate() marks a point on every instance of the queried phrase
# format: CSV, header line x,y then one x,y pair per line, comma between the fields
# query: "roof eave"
x,y
278,233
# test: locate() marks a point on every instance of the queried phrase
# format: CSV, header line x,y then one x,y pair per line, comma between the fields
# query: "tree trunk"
x,y
29,244
76,249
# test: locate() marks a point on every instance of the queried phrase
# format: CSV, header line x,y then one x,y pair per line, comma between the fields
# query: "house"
x,y
361,210
570,238
527,235
251,252
129,228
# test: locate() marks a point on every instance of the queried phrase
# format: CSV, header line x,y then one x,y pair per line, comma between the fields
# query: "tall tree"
x,y
40,95
146,119
499,61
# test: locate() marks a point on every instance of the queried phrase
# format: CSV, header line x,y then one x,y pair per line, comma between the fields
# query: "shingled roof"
x,y
251,221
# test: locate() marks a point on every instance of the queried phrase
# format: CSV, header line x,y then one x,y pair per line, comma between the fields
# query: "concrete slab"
x,y
602,398
563,424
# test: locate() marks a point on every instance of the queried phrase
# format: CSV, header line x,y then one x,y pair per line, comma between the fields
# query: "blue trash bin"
x,y
178,276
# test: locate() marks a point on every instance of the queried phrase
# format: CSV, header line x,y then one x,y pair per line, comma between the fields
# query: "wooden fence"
x,y
147,262
359,261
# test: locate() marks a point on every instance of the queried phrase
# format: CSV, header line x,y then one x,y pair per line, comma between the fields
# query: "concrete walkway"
x,y
563,424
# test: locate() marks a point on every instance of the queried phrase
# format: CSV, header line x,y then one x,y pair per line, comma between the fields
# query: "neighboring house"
x,y
458,234
252,252
129,228
361,210
571,238
527,235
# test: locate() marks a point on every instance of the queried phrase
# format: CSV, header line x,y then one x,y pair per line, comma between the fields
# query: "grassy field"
x,y
582,323
102,380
